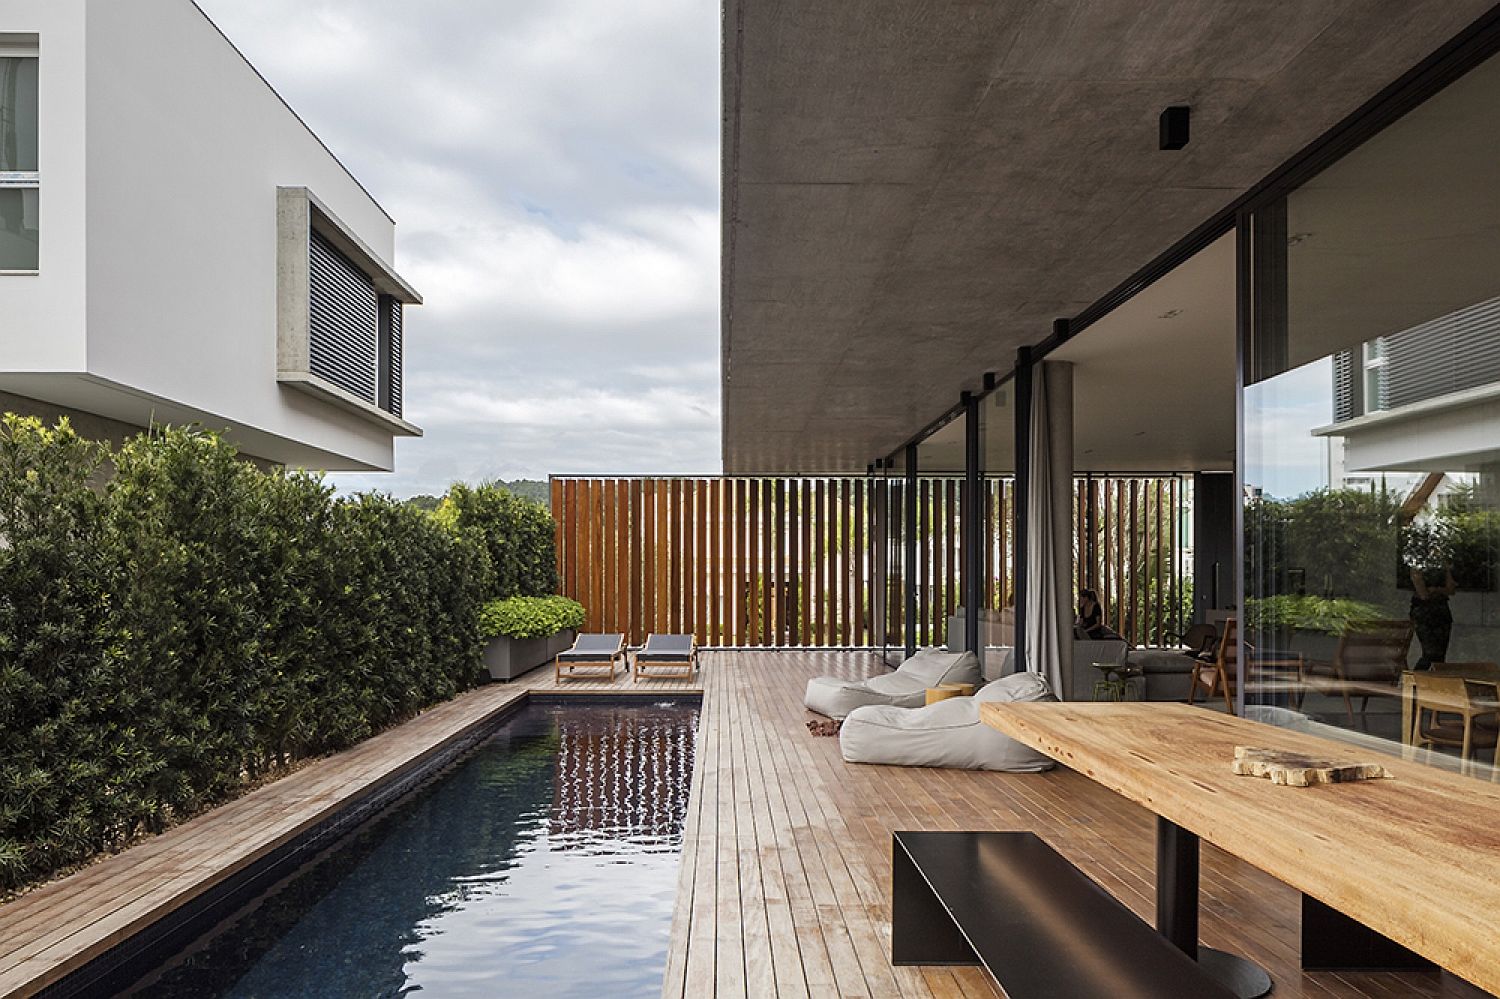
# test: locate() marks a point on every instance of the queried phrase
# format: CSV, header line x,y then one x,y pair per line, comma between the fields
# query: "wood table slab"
x,y
1415,857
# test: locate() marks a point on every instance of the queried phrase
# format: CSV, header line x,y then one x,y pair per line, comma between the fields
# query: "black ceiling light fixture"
x,y
1174,126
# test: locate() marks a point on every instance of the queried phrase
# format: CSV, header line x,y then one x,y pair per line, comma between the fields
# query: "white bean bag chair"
x,y
946,734
906,687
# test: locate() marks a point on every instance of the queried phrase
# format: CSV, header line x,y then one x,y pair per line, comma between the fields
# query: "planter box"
x,y
507,658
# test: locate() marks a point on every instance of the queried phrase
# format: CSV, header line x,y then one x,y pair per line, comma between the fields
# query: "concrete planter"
x,y
507,658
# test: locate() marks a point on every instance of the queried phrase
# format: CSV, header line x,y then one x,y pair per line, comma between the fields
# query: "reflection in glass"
x,y
1372,437
18,229
18,114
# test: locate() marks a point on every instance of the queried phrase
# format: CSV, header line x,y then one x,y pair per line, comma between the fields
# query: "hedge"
x,y
517,534
175,624
529,617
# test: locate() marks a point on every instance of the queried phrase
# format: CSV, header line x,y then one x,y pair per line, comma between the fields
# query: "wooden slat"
x,y
778,561
713,565
922,576
662,618
752,563
846,556
610,562
559,532
648,561
804,582
860,560
767,525
700,582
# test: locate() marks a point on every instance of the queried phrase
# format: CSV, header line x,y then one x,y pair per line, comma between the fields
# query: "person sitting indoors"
x,y
1090,621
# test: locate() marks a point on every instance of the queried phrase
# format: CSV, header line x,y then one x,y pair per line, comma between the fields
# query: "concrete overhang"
x,y
913,191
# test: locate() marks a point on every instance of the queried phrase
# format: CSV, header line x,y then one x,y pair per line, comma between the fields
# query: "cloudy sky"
x,y
553,170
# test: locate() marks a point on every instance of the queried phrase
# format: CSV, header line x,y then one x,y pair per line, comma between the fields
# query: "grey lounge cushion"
x,y
666,648
906,687
946,734
594,648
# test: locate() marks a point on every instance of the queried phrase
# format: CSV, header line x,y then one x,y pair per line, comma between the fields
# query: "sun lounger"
x,y
592,650
678,653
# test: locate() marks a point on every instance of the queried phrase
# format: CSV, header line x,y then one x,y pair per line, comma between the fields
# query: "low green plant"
x,y
1307,612
529,617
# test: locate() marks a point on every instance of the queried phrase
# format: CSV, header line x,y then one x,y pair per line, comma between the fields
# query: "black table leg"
x,y
1177,912
1177,886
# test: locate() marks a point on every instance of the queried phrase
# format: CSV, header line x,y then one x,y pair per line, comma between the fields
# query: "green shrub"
x,y
171,632
517,534
529,617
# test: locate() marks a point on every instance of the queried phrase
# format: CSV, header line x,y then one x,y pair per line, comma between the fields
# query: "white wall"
x,y
186,148
42,315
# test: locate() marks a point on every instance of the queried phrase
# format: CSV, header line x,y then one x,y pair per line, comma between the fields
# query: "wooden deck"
x,y
786,868
785,872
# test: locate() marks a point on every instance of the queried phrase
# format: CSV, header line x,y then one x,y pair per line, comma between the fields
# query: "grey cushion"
x,y
946,734
906,687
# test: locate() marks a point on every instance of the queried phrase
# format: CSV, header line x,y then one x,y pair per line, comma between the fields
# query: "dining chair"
x,y
1452,712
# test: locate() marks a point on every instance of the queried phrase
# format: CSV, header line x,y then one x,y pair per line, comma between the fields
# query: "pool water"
x,y
542,864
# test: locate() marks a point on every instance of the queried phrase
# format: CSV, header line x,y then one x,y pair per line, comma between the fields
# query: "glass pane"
x,y
940,465
997,613
18,114
18,229
1372,437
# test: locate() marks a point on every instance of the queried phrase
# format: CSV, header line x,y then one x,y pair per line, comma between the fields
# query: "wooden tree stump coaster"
x,y
1297,770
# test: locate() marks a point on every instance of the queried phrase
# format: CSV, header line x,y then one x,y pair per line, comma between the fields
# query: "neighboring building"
x,y
177,246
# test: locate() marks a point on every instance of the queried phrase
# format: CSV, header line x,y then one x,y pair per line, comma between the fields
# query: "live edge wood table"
x,y
1395,873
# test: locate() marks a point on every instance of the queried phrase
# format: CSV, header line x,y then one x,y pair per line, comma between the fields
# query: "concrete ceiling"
x,y
914,190
1153,382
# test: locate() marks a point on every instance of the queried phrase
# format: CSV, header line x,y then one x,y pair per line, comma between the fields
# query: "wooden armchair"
x,y
1216,671
1370,659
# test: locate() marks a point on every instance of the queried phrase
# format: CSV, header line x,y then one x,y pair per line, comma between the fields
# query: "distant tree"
x,y
425,502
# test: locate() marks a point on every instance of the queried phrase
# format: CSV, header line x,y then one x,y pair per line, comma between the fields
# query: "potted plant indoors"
x,y
522,633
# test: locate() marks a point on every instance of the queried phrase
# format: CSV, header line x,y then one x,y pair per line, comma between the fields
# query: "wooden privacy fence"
x,y
736,561
819,561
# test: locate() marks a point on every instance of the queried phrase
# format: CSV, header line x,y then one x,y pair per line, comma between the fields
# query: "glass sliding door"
x,y
1371,463
997,484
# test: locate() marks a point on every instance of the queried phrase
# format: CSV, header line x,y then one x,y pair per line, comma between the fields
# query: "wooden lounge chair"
x,y
592,650
678,653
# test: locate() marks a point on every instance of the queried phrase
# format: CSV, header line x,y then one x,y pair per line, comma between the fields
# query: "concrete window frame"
x,y
299,214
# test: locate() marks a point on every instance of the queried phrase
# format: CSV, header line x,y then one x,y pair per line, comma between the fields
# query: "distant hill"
x,y
532,489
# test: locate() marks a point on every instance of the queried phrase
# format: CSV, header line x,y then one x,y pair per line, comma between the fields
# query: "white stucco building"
x,y
177,246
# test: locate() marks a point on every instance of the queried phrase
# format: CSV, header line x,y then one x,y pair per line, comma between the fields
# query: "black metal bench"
x,y
1041,926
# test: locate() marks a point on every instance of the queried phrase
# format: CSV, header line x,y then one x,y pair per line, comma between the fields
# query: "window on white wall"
x,y
20,178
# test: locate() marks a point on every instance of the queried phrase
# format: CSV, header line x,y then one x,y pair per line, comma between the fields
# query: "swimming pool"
x,y
544,863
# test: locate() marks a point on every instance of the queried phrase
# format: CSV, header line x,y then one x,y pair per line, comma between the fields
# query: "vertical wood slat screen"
x,y
1130,546
791,562
753,562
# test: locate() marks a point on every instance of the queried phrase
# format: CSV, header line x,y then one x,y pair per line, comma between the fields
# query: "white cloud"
x,y
553,169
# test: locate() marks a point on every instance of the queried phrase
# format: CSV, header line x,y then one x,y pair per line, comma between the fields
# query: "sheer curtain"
x,y
1049,536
